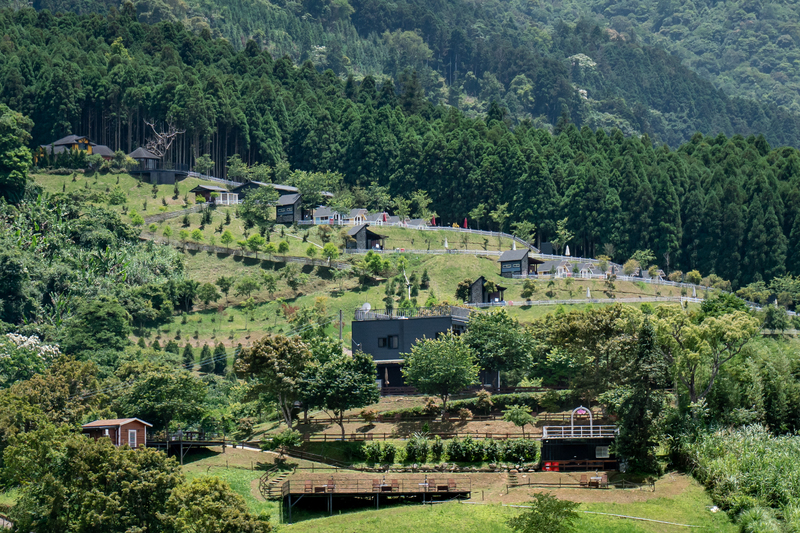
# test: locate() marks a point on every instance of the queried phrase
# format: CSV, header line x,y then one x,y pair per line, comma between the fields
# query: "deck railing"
x,y
379,485
185,436
412,312
579,432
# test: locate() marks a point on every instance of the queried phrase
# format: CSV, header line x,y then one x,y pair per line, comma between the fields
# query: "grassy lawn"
x,y
227,322
8,497
686,503
135,191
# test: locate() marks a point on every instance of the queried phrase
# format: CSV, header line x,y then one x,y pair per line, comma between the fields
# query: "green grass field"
x,y
227,322
677,498
136,192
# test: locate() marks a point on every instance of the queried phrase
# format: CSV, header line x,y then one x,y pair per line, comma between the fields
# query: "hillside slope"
x,y
470,54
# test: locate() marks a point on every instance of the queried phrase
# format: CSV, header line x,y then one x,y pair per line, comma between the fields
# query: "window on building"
x,y
601,452
132,438
394,342
382,342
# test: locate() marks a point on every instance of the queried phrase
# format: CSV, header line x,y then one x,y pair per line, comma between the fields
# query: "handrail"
x,y
434,483
579,432
412,312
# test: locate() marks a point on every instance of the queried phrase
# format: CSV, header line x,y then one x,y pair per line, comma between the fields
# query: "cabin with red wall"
x,y
121,431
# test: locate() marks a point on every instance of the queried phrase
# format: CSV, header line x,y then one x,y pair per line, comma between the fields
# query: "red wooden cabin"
x,y
121,431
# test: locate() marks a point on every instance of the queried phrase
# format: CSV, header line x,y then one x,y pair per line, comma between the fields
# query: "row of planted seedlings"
x,y
420,452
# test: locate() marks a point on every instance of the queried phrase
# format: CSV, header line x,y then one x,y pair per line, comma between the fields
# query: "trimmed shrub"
x,y
388,453
437,448
521,451
371,452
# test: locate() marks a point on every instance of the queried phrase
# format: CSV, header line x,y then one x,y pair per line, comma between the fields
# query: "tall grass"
x,y
750,473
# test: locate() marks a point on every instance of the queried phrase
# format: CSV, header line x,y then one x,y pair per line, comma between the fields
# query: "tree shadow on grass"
x,y
198,454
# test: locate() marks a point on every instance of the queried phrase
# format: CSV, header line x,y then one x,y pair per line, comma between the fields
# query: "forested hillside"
x,y
744,47
729,206
469,54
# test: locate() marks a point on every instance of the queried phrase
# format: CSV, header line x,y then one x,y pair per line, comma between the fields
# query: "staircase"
x,y
270,488
512,480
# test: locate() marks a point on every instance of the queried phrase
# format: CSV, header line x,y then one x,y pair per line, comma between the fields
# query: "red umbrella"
x,y
465,222
433,221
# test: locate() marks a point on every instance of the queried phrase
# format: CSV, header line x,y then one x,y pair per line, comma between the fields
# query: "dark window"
x,y
394,342
382,342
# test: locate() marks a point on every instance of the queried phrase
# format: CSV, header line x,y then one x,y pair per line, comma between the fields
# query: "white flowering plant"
x,y
22,357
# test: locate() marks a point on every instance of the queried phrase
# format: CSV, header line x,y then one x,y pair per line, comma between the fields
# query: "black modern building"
x,y
478,294
289,209
385,334
364,239
154,170
579,446
517,262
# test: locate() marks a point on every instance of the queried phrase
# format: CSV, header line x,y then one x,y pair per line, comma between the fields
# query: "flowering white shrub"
x,y
21,357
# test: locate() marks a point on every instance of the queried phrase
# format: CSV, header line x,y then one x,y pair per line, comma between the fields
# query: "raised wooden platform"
x,y
180,443
427,488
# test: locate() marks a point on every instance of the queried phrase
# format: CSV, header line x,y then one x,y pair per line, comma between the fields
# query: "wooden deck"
x,y
180,443
379,488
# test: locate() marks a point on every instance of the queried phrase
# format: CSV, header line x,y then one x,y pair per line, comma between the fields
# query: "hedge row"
x,y
466,450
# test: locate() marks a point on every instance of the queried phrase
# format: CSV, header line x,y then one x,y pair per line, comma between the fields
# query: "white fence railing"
x,y
412,312
579,432
430,252
580,301
379,224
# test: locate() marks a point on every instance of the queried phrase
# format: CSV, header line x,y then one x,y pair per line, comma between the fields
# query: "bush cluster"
x,y
420,449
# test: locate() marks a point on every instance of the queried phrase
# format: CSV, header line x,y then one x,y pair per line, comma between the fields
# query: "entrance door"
x,y
132,438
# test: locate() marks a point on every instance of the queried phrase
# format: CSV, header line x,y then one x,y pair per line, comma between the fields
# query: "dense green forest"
x,y
722,205
470,54
746,48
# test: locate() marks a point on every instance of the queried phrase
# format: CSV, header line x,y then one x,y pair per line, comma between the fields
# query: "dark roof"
x,y
376,217
69,139
371,234
356,229
355,212
141,153
418,222
288,199
102,149
514,255
280,188
209,188
323,211
54,149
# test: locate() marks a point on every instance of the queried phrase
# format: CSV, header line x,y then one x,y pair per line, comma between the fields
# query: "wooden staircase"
x,y
269,485
512,480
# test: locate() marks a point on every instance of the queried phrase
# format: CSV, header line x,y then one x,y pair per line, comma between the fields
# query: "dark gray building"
x,y
517,262
478,294
245,188
386,334
151,168
364,239
289,209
